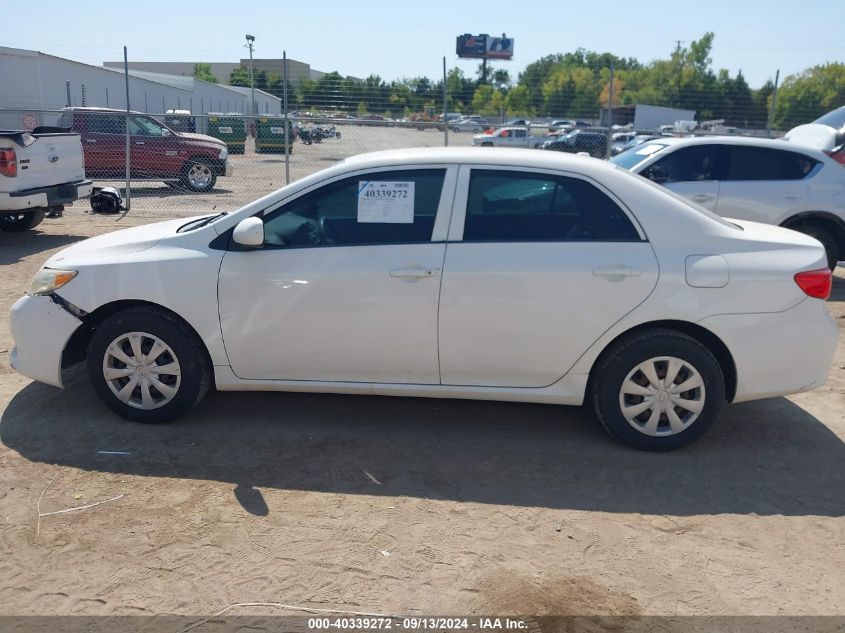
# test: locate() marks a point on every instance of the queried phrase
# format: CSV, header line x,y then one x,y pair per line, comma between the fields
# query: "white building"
x,y
31,81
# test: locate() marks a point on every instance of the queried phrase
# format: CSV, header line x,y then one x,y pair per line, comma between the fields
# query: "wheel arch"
x,y
77,345
704,336
824,219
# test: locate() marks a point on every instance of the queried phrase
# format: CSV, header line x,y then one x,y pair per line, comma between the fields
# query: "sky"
x,y
410,38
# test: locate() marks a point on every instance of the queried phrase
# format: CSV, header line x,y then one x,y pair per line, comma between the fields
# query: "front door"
x,y
346,286
542,265
155,149
691,172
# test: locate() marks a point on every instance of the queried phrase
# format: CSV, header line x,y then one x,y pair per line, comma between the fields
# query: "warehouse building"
x,y
32,81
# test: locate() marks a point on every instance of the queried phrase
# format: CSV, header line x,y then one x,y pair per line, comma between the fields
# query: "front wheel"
x,y
147,366
21,221
658,390
198,176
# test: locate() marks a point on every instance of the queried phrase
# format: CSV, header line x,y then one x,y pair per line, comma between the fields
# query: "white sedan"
x,y
455,273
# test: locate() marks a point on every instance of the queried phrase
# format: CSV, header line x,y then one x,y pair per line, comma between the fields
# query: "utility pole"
x,y
250,41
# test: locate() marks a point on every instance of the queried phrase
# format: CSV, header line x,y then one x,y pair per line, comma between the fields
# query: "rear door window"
x,y
512,206
761,163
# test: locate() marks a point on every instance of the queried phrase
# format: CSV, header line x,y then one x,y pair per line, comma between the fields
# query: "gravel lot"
x,y
407,506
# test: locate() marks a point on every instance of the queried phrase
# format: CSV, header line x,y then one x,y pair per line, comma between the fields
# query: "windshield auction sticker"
x,y
386,202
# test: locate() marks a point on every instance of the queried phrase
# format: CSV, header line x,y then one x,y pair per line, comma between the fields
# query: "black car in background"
x,y
594,143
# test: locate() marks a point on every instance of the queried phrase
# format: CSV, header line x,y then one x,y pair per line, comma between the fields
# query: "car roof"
x,y
748,141
500,156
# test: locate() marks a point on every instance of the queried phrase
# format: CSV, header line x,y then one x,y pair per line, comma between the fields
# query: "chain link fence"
x,y
182,163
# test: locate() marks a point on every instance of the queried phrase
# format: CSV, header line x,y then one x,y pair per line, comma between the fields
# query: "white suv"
x,y
751,179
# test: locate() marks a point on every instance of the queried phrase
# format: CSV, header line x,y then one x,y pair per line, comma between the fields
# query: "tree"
x,y
518,102
239,77
203,72
806,96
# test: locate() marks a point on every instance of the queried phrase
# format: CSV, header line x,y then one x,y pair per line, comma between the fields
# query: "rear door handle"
x,y
90,140
413,273
702,197
617,271
139,142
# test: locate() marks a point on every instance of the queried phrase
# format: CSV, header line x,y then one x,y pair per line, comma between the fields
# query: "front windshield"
x,y
835,119
630,158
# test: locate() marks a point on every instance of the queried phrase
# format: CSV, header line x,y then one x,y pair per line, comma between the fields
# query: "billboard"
x,y
499,47
484,47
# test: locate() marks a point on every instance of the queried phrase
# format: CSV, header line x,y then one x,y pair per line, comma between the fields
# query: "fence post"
x,y
126,131
67,89
445,107
609,115
774,100
285,105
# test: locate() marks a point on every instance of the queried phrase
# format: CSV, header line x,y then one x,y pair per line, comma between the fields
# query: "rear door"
x,y
764,184
103,142
692,172
538,266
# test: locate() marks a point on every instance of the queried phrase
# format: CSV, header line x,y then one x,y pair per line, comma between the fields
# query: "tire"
x,y
197,175
828,240
654,429
21,221
487,145
187,374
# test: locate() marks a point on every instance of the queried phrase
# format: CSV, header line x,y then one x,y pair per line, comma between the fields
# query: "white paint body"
x,y
520,321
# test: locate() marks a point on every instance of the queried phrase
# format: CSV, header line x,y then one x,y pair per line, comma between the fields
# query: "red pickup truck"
x,y
156,151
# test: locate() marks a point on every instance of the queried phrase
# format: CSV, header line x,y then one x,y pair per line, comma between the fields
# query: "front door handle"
x,y
617,271
90,140
139,142
702,197
413,273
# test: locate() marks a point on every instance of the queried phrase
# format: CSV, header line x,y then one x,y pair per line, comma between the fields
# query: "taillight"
x,y
837,154
8,162
815,283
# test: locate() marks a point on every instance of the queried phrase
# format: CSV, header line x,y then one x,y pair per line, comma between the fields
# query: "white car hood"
x,y
139,238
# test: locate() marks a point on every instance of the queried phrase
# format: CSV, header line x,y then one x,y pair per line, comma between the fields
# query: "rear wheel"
x,y
21,221
197,175
487,145
147,366
658,390
828,240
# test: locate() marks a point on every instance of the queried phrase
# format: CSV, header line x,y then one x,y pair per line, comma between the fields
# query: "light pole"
x,y
250,41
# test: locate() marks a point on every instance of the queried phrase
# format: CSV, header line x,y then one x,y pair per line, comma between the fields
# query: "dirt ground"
x,y
405,506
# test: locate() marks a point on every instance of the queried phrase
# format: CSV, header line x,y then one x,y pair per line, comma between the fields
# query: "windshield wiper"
x,y
196,224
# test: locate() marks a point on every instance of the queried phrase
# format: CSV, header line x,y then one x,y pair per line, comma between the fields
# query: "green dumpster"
x,y
270,135
229,129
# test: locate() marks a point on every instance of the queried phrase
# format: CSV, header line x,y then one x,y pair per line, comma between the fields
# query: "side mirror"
x,y
165,132
249,232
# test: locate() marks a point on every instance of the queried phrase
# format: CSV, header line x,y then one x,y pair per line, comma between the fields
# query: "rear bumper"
x,y
778,353
40,329
45,196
